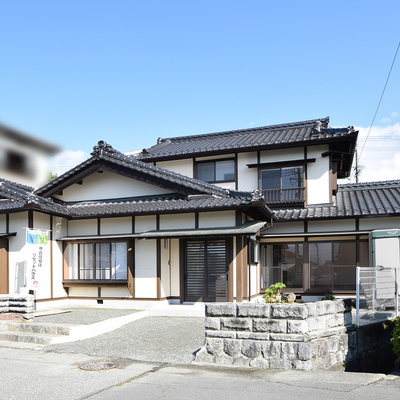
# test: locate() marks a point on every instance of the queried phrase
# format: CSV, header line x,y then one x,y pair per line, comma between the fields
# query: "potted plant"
x,y
273,293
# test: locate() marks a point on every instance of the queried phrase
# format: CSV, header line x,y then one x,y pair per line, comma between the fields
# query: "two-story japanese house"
x,y
213,217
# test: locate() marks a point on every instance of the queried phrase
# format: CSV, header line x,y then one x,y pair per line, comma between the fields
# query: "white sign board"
x,y
38,257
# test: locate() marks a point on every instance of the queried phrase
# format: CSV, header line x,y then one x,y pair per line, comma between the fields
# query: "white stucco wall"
x,y
285,227
41,221
115,291
184,167
109,186
177,221
318,176
145,269
332,225
145,223
60,227
379,223
84,291
82,227
247,177
268,156
58,270
3,225
109,226
254,280
217,219
17,254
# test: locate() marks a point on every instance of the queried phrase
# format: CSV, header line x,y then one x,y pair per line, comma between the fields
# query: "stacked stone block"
x,y
306,336
17,304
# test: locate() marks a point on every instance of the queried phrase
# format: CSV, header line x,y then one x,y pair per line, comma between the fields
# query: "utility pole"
x,y
358,168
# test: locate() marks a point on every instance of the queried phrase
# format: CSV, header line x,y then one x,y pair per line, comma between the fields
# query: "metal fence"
x,y
377,294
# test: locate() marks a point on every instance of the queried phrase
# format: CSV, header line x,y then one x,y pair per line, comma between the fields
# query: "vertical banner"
x,y
38,257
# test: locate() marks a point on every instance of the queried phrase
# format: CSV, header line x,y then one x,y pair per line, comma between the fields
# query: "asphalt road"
x,y
153,360
39,375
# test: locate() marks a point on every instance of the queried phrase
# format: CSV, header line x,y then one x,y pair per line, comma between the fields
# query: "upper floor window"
x,y
283,184
216,171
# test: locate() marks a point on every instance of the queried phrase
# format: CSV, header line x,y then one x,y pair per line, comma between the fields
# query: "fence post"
x,y
358,296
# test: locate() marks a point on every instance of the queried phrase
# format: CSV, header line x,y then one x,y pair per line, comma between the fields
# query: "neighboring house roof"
x,y
352,200
23,138
265,137
191,194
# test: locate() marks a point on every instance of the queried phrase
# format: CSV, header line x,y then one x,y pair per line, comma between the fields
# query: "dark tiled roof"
x,y
157,204
15,196
296,133
192,193
352,200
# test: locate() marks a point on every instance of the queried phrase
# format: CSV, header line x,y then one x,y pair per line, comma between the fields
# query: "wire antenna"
x,y
380,100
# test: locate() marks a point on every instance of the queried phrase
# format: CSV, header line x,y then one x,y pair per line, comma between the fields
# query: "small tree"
x,y
273,293
51,177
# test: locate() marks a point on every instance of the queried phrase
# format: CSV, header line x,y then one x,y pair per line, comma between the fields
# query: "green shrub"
x,y
328,296
273,291
394,325
396,338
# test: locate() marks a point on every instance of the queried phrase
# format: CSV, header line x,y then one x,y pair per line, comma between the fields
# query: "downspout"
x,y
170,267
249,266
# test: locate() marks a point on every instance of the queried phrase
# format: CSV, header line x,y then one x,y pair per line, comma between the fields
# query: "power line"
x,y
377,108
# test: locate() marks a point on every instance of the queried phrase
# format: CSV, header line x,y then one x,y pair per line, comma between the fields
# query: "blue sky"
x,y
128,72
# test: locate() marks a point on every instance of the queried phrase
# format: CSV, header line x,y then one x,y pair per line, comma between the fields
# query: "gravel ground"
x,y
84,316
170,340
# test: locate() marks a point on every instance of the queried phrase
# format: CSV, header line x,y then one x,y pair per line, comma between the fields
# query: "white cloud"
x,y
385,120
380,156
395,114
66,160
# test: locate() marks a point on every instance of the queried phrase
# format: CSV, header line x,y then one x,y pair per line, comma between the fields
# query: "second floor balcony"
x,y
288,195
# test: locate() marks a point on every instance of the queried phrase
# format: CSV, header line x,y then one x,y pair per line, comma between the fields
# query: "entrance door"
x,y
206,270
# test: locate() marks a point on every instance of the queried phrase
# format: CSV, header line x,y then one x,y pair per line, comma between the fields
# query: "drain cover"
x,y
98,366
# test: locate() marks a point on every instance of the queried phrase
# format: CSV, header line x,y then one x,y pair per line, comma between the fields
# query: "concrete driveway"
x,y
171,340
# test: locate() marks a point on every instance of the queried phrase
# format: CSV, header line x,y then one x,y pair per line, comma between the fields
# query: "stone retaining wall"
x,y
18,304
306,336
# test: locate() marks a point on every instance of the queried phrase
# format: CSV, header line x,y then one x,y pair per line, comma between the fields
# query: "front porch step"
x,y
30,332
32,338
47,329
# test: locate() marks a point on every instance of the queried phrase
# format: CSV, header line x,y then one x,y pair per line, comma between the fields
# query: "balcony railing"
x,y
290,195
